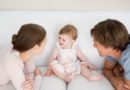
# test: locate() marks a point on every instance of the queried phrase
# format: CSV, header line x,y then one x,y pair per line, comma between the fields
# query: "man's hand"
x,y
118,83
127,84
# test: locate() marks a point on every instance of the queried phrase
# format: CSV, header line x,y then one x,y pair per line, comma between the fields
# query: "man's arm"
x,y
117,82
127,84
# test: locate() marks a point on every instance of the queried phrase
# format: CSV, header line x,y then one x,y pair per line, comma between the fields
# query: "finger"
x,y
127,86
27,87
45,74
27,84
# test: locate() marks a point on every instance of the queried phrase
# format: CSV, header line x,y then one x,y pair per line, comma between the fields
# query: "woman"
x,y
29,41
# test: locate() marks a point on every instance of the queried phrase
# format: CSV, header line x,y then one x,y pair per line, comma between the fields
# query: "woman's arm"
x,y
15,73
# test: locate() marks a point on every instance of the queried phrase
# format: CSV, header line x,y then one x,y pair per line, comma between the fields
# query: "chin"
x,y
101,54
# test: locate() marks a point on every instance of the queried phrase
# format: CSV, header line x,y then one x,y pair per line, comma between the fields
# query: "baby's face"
x,y
65,41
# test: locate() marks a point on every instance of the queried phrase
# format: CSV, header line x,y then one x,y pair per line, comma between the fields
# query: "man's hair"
x,y
69,30
111,33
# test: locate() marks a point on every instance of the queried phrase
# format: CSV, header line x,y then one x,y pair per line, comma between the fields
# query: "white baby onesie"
x,y
68,63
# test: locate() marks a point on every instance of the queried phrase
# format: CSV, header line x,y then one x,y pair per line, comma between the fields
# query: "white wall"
x,y
53,21
87,5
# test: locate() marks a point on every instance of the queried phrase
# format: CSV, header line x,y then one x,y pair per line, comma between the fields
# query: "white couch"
x,y
52,21
79,83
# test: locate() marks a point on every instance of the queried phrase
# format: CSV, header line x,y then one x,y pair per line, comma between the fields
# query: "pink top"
x,y
12,68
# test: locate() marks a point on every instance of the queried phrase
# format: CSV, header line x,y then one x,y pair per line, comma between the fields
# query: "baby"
x,y
67,60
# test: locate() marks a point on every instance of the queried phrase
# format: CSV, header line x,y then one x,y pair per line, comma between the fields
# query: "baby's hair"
x,y
28,36
69,30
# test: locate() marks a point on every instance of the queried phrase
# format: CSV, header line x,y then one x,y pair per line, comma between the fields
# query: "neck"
x,y
25,56
116,54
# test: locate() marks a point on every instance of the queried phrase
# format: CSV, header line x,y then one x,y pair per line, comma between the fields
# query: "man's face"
x,y
102,50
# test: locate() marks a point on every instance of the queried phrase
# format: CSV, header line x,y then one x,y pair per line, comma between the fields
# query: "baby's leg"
x,y
60,74
87,73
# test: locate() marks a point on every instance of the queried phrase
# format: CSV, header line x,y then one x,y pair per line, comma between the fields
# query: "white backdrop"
x,y
53,21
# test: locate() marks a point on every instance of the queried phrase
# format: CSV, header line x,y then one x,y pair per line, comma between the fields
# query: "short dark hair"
x,y
28,36
111,33
70,30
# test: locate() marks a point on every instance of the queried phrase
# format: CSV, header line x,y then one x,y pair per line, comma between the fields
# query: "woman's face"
x,y
102,50
41,47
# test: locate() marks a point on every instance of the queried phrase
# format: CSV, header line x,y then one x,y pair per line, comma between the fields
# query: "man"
x,y
112,42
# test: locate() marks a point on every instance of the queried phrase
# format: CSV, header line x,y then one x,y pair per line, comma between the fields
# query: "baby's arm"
x,y
82,58
53,57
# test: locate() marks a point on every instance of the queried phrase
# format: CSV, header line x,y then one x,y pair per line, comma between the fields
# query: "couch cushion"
x,y
51,82
81,83
78,83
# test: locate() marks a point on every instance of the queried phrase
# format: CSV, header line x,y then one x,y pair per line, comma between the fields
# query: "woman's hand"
x,y
27,85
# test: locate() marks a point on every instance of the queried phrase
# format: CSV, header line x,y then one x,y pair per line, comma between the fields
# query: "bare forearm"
x,y
127,84
109,75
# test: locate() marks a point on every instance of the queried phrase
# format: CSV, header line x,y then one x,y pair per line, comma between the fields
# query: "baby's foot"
x,y
68,78
95,76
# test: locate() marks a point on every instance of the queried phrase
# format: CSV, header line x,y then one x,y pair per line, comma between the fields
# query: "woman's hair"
x,y
111,33
69,30
28,36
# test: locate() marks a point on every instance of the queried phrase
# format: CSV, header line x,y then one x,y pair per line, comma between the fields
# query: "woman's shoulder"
x,y
12,57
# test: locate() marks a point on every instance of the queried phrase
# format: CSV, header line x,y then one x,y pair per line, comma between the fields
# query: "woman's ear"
x,y
36,47
73,41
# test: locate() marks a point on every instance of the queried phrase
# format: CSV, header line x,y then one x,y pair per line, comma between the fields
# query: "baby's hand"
x,y
49,72
68,78
90,66
58,57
